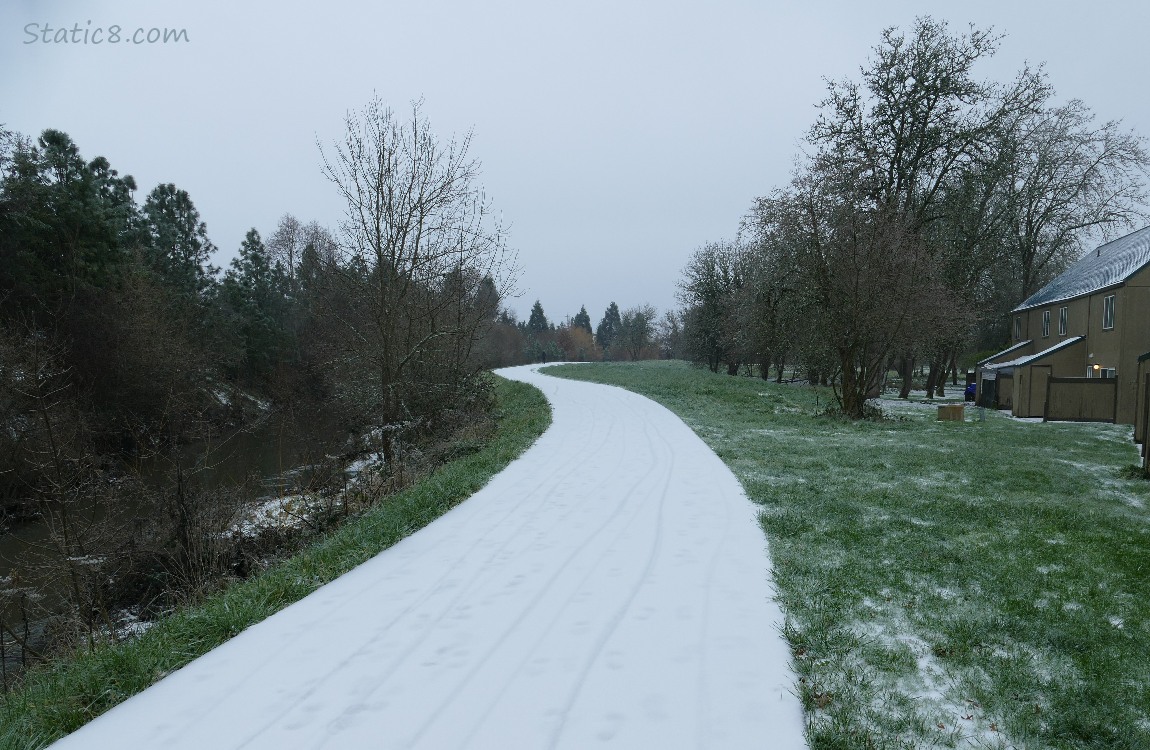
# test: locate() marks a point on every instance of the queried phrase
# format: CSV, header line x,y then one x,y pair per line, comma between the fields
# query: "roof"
x,y
1105,266
1023,361
1007,350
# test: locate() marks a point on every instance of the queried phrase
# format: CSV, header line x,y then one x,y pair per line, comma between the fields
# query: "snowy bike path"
x,y
608,588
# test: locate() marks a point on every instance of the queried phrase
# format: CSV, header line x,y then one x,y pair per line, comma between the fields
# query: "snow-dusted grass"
x,y
983,584
56,700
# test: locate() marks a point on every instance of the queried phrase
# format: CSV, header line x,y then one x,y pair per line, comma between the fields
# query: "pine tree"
x,y
609,327
178,247
64,222
537,323
583,320
253,289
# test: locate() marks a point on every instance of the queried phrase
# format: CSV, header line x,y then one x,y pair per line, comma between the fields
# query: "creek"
x,y
271,457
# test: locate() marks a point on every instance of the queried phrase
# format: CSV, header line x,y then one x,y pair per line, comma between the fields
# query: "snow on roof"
x,y
1007,350
1105,266
1021,361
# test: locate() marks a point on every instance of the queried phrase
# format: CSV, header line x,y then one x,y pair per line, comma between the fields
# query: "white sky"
x,y
616,137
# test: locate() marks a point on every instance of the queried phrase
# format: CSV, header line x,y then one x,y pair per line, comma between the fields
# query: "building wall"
x,y
1030,381
1117,348
1132,322
1078,318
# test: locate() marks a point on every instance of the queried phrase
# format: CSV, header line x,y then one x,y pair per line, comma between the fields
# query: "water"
x,y
273,455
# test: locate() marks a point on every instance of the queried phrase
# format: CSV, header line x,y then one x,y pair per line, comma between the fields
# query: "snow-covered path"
x,y
609,588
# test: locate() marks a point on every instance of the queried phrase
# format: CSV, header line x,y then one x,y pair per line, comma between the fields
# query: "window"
x,y
1107,312
1045,323
1017,327
1098,371
1062,321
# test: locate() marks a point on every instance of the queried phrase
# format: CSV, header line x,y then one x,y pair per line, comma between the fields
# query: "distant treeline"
x,y
636,333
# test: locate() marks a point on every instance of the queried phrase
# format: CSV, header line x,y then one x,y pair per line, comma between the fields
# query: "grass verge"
x,y
58,699
983,584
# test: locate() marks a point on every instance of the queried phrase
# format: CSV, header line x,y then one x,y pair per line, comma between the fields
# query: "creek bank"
x,y
121,566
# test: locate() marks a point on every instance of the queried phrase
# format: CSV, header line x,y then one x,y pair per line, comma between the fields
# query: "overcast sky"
x,y
615,137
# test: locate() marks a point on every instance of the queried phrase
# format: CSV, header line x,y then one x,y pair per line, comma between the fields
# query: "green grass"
x,y
983,584
58,699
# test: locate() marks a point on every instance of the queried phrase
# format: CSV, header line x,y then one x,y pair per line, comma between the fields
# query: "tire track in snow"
x,y
549,628
534,511
576,551
613,623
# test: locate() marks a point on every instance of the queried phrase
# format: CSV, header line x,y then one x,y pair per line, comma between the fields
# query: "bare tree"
x,y
669,335
709,292
286,244
62,475
860,285
920,139
1066,175
917,117
422,254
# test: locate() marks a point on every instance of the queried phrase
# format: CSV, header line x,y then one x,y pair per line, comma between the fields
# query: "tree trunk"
x,y
851,396
934,378
906,369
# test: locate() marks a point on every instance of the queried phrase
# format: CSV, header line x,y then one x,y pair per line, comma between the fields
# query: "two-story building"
x,y
1075,343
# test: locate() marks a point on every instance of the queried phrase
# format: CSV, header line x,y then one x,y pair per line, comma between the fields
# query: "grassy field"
x,y
983,584
57,700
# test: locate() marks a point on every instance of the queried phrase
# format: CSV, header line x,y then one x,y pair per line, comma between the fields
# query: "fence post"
x,y
1145,416
1046,406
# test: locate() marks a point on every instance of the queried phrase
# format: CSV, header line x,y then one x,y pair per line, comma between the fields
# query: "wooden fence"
x,y
1081,400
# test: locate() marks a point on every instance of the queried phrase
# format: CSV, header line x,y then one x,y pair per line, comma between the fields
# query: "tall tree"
x,y
64,223
608,329
178,247
286,245
864,282
917,117
1066,174
710,291
922,140
583,320
669,335
537,322
255,291
416,223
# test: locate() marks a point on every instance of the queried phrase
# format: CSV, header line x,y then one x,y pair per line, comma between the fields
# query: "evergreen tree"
x,y
583,320
64,222
308,274
253,289
537,323
609,327
177,240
